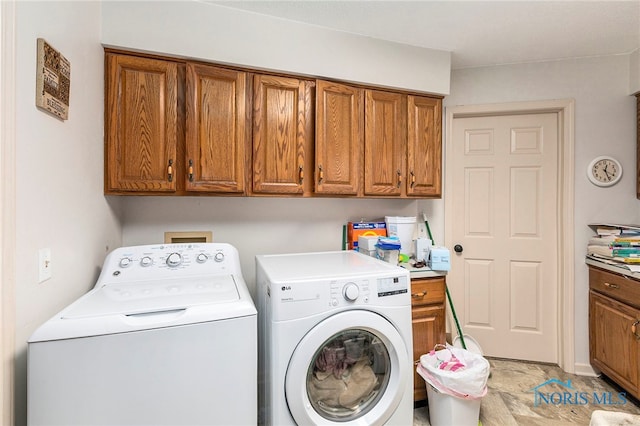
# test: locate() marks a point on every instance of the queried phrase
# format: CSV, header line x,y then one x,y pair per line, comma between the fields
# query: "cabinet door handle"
x,y
300,174
320,175
399,179
634,328
190,170
609,285
419,295
413,179
170,171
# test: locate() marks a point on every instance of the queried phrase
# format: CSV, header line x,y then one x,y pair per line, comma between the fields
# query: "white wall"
x,y
220,34
254,225
60,203
604,125
634,72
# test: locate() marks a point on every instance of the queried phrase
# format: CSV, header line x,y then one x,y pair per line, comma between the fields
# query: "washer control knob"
x,y
350,291
201,258
218,257
125,262
146,261
174,259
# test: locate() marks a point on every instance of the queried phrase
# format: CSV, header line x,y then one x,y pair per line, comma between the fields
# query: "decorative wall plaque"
x,y
53,81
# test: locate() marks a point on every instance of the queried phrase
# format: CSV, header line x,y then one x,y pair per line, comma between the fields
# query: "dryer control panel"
x,y
149,262
298,299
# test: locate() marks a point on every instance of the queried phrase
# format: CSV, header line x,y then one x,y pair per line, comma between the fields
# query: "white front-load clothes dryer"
x,y
167,336
334,340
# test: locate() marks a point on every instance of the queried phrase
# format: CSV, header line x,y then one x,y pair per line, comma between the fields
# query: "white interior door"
x,y
504,209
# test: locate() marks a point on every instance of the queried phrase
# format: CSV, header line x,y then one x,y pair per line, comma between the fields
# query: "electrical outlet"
x,y
44,265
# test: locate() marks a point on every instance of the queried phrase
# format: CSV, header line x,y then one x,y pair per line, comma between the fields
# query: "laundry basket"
x,y
456,381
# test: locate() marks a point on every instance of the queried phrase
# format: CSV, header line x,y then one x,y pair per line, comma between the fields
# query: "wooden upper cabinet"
x,y
141,124
217,129
181,127
385,143
638,146
339,138
282,135
424,146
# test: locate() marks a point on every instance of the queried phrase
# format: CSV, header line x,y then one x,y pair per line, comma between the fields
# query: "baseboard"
x,y
585,370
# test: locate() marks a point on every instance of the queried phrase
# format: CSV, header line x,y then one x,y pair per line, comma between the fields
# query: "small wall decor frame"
x,y
53,80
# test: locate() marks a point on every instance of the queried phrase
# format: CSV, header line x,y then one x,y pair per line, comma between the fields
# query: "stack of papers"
x,y
618,244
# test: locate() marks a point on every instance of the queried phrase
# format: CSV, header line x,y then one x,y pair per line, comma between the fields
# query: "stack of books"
x,y
619,243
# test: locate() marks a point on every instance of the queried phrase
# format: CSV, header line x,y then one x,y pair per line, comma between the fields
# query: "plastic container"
x,y
447,410
391,256
367,243
371,253
456,381
388,249
471,343
403,227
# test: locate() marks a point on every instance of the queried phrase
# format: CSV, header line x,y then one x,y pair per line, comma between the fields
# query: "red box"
x,y
356,229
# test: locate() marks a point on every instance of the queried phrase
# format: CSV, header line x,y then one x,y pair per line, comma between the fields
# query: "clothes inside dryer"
x,y
348,374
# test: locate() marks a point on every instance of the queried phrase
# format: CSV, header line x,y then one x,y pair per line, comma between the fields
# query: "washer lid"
x,y
153,296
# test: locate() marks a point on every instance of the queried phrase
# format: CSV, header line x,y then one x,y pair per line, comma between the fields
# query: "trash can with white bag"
x,y
456,381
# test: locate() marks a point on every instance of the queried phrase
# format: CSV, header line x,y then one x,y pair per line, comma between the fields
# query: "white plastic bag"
x,y
467,382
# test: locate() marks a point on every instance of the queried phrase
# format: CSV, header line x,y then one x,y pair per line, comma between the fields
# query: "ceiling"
x,y
478,33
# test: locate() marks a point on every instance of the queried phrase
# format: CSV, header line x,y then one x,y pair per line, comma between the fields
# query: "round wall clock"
x,y
604,171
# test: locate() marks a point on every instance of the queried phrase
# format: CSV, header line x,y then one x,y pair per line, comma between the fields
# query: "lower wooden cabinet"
x,y
614,327
428,314
638,146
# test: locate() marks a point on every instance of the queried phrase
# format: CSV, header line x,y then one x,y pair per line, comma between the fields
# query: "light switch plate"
x,y
44,265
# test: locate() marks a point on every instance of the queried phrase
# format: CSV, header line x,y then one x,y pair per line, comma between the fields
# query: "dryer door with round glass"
x,y
353,366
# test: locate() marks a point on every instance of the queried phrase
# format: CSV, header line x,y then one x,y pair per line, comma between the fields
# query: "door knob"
x,y
457,248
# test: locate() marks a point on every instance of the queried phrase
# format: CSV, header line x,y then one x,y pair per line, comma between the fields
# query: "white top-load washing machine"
x,y
168,336
335,340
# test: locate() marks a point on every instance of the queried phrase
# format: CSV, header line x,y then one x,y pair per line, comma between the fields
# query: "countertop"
x,y
611,266
424,272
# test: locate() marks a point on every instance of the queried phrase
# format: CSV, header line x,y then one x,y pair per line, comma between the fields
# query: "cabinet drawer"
x,y
616,286
427,291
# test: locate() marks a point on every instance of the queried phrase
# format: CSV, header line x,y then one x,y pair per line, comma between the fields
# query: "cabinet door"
x,y
638,146
281,138
216,129
339,117
385,143
428,314
141,124
424,146
613,347
428,330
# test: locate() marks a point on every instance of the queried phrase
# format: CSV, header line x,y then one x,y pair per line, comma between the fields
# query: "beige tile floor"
x,y
511,398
